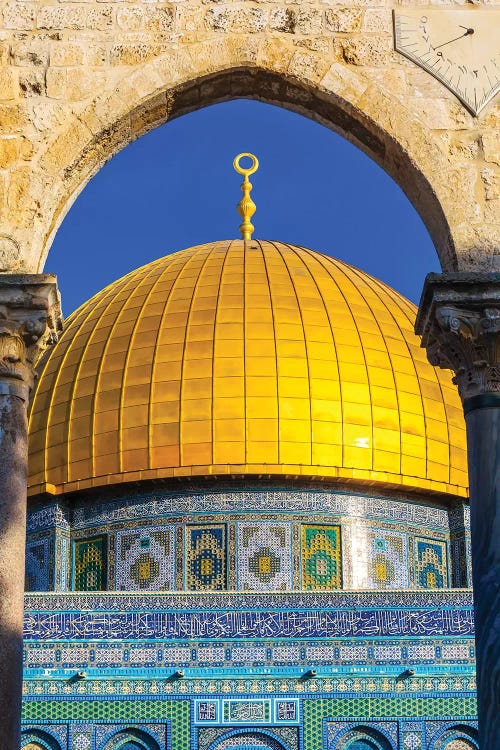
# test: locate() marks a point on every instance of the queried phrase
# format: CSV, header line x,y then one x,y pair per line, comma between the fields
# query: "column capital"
x,y
30,320
459,322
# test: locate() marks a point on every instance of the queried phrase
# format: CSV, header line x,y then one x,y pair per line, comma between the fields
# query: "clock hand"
x,y
468,32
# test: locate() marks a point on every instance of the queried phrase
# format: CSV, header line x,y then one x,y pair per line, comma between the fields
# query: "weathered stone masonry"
x,y
80,80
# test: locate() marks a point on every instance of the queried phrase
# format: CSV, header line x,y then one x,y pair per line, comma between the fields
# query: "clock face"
x,y
461,48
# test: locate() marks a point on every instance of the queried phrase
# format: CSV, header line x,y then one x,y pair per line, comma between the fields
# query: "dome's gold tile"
x,y
260,407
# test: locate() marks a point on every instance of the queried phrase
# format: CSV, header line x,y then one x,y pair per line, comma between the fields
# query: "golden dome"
x,y
254,358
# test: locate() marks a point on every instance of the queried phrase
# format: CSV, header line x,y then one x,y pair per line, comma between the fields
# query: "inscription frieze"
x,y
280,624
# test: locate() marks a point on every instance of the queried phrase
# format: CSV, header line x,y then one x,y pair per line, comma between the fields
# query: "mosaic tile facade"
x,y
156,732
161,654
145,559
174,660
174,715
442,735
460,540
264,556
320,730
321,558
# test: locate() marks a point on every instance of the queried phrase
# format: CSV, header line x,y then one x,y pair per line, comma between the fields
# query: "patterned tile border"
x,y
344,686
226,501
137,601
161,654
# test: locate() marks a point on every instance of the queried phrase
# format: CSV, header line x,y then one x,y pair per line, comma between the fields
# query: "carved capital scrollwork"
x,y
459,321
30,320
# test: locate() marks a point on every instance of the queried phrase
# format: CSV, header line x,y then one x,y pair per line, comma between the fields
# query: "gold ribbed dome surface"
x,y
254,358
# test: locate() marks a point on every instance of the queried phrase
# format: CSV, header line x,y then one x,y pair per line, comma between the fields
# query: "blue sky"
x,y
175,187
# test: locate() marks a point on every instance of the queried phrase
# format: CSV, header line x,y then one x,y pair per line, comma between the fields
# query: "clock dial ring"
x,y
457,47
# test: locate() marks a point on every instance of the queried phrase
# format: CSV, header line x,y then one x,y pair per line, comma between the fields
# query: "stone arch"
x,y
249,739
129,739
212,71
36,739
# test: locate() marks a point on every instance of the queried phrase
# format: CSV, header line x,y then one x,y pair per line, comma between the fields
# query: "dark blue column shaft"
x,y
483,438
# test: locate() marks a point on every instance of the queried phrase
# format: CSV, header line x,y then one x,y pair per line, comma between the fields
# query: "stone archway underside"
x,y
148,65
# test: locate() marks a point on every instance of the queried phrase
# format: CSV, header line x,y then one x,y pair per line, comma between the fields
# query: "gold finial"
x,y
246,206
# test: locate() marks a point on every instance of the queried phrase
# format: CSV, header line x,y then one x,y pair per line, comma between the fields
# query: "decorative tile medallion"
x,y
264,556
431,567
80,736
90,564
412,741
321,558
206,558
388,560
145,559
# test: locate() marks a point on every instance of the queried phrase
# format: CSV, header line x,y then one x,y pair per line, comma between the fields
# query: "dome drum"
x,y
262,538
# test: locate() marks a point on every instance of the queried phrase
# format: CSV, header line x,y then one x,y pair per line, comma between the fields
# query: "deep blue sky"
x,y
175,187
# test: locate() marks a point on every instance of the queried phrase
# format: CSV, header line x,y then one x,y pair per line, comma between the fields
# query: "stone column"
x,y
30,319
459,321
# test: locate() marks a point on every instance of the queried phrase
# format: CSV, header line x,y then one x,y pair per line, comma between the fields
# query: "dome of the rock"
x,y
234,358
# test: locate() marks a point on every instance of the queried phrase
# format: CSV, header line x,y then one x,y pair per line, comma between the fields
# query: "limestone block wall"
x,y
81,79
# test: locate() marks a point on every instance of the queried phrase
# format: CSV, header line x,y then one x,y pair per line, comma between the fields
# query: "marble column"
x,y
30,319
459,321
